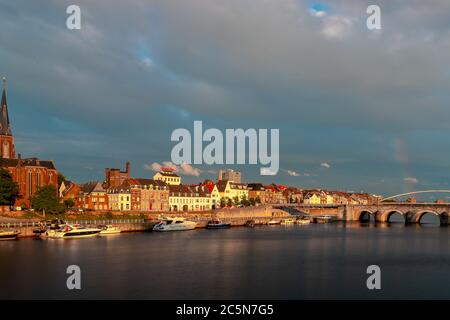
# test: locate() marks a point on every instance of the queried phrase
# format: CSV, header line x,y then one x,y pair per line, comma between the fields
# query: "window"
x,y
30,183
38,180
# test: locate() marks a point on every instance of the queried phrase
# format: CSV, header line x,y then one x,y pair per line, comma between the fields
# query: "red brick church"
x,y
30,174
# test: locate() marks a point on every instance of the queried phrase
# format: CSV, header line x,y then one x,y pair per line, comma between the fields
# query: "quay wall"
x,y
235,216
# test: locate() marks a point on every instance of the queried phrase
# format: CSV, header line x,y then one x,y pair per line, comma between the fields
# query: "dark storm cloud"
x,y
339,93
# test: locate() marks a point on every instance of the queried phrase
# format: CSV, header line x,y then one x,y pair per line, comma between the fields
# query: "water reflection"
x,y
314,261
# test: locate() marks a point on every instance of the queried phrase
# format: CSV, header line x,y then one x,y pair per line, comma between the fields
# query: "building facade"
x,y
167,176
232,190
230,175
149,195
92,196
30,174
119,198
187,198
115,177
256,191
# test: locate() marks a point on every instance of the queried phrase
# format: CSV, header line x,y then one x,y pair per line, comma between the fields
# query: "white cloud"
x,y
183,169
336,27
293,173
317,13
325,165
188,170
411,180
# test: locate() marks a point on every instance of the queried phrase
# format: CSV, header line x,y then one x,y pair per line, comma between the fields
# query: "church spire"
x,y
5,127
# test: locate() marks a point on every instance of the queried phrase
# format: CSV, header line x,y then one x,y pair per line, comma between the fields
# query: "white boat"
x,y
109,229
273,222
71,232
174,224
9,234
288,222
303,221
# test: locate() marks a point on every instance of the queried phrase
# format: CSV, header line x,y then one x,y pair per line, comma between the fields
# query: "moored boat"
x,y
288,222
72,232
109,230
250,223
9,234
273,222
303,221
217,224
174,224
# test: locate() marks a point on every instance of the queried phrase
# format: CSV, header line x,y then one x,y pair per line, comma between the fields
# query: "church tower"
x,y
6,137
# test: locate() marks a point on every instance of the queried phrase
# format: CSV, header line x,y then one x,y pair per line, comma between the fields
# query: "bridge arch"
x,y
385,216
420,214
365,215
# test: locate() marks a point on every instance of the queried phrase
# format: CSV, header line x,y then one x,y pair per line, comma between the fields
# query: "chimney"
x,y
128,167
19,160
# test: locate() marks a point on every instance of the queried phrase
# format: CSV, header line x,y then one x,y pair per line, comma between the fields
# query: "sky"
x,y
357,109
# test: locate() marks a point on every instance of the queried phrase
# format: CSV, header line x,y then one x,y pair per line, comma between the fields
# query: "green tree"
x,y
252,201
61,178
229,202
244,201
223,202
236,201
46,200
9,190
69,203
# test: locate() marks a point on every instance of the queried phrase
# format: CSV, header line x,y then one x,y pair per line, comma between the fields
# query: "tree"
x,y
61,179
258,199
9,190
69,203
252,201
229,202
46,200
244,201
236,200
223,202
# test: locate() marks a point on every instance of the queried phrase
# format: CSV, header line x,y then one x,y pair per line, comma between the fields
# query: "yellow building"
x,y
214,194
119,199
231,190
189,198
168,176
312,198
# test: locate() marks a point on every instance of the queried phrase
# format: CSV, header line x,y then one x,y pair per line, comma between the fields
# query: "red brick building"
x,y
92,196
30,174
115,177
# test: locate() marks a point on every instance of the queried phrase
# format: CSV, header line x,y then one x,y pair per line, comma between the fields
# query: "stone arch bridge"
x,y
411,212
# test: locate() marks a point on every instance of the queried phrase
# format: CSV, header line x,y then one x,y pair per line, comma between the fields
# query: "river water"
x,y
272,262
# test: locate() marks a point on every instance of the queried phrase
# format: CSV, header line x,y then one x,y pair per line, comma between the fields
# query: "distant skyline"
x,y
357,110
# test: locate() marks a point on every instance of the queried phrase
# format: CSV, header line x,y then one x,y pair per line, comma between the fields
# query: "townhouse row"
x,y
165,192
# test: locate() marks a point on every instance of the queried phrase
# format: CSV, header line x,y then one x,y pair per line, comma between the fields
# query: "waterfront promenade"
x,y
144,221
236,217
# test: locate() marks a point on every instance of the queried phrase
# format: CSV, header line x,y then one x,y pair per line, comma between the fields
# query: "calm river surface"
x,y
278,262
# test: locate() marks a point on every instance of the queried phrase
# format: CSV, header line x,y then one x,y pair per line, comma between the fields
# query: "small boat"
x,y
288,222
217,224
273,222
303,221
9,234
324,219
250,223
72,232
109,229
174,224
